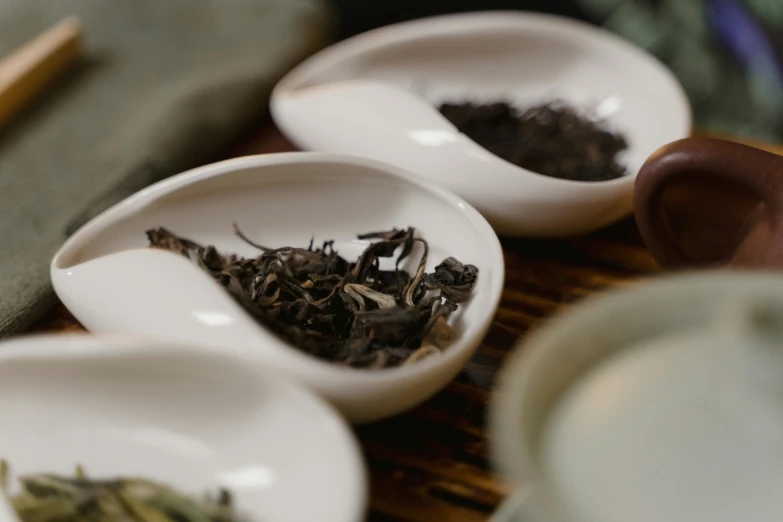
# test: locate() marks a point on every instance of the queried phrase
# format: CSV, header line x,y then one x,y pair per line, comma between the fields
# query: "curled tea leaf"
x,y
51,509
454,279
358,292
439,331
54,498
348,313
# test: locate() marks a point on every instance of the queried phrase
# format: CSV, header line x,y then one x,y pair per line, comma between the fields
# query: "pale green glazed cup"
x,y
547,363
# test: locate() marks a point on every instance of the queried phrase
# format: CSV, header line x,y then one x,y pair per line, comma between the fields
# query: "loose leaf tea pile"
x,y
52,498
350,313
550,139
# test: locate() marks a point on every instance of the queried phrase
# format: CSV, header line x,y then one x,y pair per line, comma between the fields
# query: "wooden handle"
x,y
25,73
757,170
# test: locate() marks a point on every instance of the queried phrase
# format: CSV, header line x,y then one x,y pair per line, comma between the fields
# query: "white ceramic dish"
x,y
7,513
374,95
183,416
653,403
111,281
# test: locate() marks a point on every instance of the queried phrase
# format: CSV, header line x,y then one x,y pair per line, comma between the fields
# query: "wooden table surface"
x,y
430,464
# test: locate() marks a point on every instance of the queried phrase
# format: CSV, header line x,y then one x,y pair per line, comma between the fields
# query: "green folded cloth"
x,y
164,86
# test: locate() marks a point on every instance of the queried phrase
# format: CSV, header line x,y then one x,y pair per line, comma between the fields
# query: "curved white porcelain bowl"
x,y
374,95
111,281
183,416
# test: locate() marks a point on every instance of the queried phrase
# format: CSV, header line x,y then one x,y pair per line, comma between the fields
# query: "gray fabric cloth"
x,y
164,86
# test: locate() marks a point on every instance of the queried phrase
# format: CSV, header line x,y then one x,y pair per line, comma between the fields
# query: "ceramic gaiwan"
x,y
375,95
655,403
112,282
192,419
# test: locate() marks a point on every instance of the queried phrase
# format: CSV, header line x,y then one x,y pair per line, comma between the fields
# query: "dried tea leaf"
x,y
52,509
178,507
140,510
111,507
412,287
49,486
552,139
440,333
452,272
454,279
52,498
348,313
357,292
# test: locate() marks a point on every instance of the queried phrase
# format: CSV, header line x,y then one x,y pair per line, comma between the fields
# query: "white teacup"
x,y
656,403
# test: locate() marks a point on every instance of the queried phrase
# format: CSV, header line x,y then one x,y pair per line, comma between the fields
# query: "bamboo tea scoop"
x,y
28,70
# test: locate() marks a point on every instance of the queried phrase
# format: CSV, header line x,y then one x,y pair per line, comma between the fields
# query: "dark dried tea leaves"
x,y
54,498
350,313
552,139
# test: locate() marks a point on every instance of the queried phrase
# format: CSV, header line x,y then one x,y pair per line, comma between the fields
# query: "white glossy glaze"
x,y
7,513
111,282
183,416
374,95
654,403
